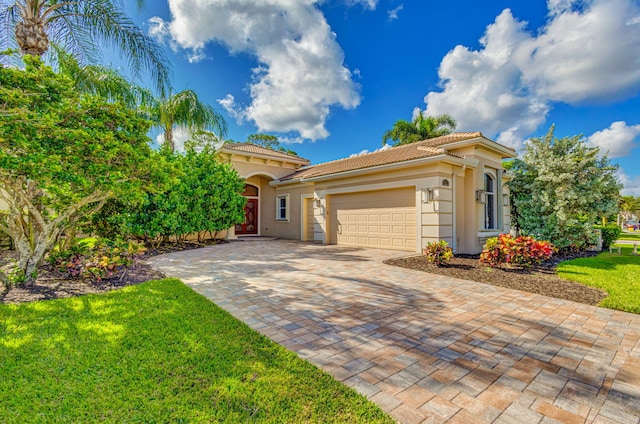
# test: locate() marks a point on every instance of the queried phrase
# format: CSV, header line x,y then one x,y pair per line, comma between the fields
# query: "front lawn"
x,y
618,274
157,352
635,236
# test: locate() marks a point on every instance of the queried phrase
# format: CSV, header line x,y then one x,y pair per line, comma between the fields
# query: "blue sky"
x,y
332,76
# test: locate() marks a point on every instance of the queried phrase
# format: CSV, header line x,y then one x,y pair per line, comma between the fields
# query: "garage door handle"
x,y
339,228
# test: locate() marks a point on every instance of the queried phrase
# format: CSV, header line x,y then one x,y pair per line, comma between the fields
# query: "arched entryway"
x,y
251,222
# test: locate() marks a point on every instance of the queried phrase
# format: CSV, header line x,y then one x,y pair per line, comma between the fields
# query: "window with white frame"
x,y
282,207
490,206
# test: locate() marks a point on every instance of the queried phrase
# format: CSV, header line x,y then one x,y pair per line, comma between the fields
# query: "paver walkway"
x,y
426,348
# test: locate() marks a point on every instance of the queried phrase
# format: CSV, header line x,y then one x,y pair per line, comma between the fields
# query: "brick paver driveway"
x,y
426,348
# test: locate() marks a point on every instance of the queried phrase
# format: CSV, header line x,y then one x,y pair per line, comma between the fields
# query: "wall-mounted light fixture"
x,y
480,196
318,203
505,199
427,195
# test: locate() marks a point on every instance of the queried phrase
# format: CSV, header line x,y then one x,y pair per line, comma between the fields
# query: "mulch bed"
x,y
541,280
51,284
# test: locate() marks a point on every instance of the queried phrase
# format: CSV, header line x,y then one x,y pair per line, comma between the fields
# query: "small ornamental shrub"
x,y
610,234
104,260
524,251
438,252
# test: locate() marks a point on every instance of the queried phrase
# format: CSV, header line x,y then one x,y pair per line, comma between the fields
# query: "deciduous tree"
x,y
62,155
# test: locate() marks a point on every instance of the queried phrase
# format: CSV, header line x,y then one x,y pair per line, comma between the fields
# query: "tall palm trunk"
x,y
31,36
168,137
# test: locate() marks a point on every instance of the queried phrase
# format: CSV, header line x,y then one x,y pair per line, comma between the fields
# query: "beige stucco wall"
x,y
293,227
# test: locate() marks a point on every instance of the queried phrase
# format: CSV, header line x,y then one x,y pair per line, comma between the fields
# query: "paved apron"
x,y
426,348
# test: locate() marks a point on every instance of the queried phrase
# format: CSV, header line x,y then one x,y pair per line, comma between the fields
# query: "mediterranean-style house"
x,y
448,188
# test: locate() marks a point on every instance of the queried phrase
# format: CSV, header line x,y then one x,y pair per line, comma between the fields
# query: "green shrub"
x,y
610,234
106,258
522,250
438,252
14,277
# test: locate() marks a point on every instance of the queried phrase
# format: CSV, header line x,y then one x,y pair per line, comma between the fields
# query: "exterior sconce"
x,y
480,196
505,199
427,195
318,203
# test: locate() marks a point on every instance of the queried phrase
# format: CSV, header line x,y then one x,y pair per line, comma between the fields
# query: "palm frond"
x,y
107,22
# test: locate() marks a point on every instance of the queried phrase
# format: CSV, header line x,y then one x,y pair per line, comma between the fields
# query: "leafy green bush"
x,y
438,252
522,250
14,276
104,259
610,234
204,196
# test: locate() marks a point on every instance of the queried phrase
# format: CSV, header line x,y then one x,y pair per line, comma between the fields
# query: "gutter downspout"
x,y
454,208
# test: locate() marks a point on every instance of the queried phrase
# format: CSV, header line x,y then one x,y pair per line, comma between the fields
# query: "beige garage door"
x,y
382,218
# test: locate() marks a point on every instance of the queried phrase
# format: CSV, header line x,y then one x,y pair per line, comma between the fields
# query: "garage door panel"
x,y
385,218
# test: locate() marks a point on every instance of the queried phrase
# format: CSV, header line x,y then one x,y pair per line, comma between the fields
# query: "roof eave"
x,y
504,151
300,161
386,167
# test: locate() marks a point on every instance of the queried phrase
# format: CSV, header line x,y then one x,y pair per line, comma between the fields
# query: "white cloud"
x,y
631,184
618,140
585,56
180,135
588,51
393,13
367,4
301,73
482,89
365,152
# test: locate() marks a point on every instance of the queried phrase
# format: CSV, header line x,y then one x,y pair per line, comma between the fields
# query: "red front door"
x,y
250,224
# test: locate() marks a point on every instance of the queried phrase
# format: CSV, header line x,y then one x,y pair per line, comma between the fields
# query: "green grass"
x,y
635,236
157,352
618,275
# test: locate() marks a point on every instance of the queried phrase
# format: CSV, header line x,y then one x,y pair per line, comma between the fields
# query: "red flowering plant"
x,y
524,251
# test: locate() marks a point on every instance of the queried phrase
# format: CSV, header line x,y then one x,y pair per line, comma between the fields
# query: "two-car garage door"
x,y
382,218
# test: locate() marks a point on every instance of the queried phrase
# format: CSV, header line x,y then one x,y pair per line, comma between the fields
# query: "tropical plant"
x,y
104,259
560,188
185,109
79,27
522,250
103,81
438,252
629,206
421,128
62,156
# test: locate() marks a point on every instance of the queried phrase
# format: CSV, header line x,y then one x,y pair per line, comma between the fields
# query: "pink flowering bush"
x,y
524,251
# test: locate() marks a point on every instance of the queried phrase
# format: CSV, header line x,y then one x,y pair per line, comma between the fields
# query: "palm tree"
x,y
103,81
185,109
79,27
421,128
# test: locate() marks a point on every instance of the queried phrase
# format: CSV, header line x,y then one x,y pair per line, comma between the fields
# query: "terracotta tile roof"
x,y
418,150
263,151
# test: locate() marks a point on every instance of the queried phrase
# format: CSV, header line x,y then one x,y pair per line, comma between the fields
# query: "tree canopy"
x,y
560,188
269,141
421,128
63,155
